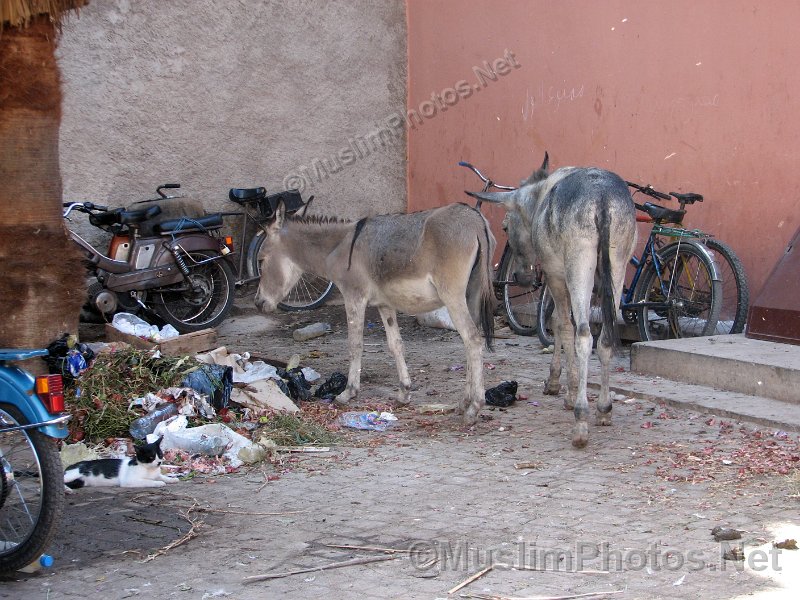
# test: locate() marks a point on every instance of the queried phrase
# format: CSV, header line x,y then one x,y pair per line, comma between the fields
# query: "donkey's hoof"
x,y
552,389
343,398
603,419
470,416
580,435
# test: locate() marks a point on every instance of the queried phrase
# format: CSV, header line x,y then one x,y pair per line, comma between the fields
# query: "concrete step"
x,y
761,411
732,363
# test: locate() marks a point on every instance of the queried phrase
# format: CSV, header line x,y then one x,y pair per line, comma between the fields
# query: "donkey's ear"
x,y
539,174
507,199
280,216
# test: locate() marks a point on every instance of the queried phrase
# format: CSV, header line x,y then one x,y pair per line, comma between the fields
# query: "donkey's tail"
x,y
608,301
481,283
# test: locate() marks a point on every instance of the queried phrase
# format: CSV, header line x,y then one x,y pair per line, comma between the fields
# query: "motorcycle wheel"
x,y
31,491
203,299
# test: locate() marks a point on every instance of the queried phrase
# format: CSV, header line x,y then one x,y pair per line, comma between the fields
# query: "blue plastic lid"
x,y
46,560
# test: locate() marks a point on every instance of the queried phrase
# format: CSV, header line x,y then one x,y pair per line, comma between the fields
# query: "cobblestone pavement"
x,y
631,513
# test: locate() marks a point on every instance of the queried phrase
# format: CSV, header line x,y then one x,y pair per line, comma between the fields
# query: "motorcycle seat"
x,y
185,224
247,195
124,217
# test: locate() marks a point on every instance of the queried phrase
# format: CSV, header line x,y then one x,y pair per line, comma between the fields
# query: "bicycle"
x,y
520,303
735,290
259,208
676,290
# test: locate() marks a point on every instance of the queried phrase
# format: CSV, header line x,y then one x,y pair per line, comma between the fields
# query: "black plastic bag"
x,y
216,381
67,358
502,395
299,388
331,388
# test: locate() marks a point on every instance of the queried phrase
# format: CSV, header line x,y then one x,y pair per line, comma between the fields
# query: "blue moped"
x,y
32,420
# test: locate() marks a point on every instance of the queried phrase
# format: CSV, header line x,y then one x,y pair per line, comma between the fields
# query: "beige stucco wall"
x,y
235,94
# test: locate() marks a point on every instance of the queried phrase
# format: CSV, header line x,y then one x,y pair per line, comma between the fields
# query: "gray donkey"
x,y
578,224
413,263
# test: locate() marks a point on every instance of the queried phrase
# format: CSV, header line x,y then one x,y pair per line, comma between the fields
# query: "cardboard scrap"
x,y
263,394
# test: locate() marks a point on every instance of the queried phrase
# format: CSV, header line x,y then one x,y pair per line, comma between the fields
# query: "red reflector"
x,y
229,243
50,389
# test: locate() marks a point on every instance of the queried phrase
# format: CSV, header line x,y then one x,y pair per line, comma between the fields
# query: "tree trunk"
x,y
42,286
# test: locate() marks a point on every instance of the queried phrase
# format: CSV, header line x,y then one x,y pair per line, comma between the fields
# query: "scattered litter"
x,y
332,387
549,350
133,325
73,453
373,421
215,381
436,409
533,403
503,395
789,544
456,368
146,425
533,464
680,580
311,331
736,554
263,394
214,439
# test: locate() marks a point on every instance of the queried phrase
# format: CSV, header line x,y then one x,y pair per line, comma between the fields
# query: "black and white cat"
x,y
142,471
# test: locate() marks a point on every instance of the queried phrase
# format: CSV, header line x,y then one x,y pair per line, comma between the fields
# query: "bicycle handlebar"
x,y
486,180
648,189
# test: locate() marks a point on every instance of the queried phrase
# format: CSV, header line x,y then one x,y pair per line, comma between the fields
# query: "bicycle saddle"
x,y
247,195
124,217
661,214
688,198
184,224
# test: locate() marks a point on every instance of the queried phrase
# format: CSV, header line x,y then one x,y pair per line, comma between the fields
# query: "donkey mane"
x,y
317,220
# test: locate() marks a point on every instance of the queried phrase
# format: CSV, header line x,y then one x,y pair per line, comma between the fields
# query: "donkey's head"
x,y
520,204
278,272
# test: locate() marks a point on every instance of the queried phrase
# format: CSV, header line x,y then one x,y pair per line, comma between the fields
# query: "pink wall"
x,y
684,95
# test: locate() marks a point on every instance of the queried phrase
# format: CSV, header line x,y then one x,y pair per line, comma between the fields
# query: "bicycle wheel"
x,y
520,302
735,291
201,300
31,491
544,315
310,292
685,299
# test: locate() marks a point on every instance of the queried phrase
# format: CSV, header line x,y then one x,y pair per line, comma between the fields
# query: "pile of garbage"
x,y
214,411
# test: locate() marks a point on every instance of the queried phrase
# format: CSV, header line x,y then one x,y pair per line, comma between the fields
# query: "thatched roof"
x,y
17,13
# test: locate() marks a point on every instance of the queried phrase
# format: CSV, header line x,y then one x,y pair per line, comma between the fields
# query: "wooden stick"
x,y
369,548
469,580
249,514
545,570
337,565
569,597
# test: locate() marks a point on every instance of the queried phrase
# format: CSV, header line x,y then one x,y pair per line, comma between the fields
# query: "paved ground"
x,y
631,513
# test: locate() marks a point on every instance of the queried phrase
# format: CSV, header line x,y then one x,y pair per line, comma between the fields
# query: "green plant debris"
x,y
100,398
293,430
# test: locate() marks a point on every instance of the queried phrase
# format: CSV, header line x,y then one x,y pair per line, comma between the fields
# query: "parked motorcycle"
x,y
175,269
32,419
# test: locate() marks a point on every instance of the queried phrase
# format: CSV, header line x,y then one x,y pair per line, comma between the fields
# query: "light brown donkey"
x,y
413,263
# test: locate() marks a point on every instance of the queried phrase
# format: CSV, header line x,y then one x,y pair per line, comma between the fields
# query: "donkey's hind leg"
x,y
395,342
474,398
